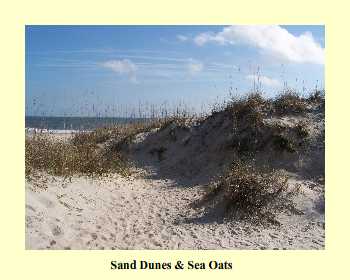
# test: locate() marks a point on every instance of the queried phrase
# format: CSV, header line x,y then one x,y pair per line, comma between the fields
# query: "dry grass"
x,y
98,136
248,126
95,153
80,156
301,130
251,194
317,96
289,102
66,159
252,133
248,108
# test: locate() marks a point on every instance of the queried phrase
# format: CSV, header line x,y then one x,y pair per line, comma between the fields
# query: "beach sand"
x,y
143,213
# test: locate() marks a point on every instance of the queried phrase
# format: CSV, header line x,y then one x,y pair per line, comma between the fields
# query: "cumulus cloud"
x,y
182,38
122,67
194,67
264,80
271,39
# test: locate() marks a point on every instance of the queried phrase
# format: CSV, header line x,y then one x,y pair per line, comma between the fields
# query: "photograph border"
x,y
247,264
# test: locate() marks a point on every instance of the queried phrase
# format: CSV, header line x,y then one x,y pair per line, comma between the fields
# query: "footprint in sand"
x,y
56,230
29,222
156,243
30,208
103,238
94,236
48,203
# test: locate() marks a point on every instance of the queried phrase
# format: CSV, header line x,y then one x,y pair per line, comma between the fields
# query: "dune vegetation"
x,y
248,182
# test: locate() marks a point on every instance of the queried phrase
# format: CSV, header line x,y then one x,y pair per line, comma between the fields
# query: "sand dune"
x,y
172,168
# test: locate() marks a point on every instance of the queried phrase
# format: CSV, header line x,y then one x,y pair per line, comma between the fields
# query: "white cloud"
x,y
182,38
122,67
271,39
194,67
270,82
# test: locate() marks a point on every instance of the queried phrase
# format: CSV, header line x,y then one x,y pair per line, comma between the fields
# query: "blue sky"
x,y
82,70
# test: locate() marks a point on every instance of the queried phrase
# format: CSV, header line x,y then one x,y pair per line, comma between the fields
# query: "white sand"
x,y
139,213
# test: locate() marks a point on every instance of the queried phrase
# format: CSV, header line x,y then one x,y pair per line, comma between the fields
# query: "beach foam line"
x,y
53,131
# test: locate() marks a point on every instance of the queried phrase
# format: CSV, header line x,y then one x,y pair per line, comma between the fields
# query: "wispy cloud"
x,y
122,67
143,68
103,51
66,63
271,39
156,58
264,80
182,38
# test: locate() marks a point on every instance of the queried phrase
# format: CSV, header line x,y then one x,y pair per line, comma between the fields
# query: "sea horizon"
x,y
76,122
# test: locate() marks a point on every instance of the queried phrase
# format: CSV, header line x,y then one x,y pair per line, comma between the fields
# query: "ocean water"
x,y
74,123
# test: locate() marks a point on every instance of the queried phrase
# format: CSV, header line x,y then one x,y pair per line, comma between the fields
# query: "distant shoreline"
x,y
76,123
33,130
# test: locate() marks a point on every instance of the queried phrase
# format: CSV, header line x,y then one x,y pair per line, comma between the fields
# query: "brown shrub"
x,y
248,108
248,114
317,96
302,130
289,102
99,135
86,153
63,158
251,194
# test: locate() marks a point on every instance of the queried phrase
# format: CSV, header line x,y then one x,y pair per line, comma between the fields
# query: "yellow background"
x,y
17,263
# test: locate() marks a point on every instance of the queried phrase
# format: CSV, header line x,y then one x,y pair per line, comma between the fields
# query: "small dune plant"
x,y
317,96
289,102
302,130
248,108
247,114
250,194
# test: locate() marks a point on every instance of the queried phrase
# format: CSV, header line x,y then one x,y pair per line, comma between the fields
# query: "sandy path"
x,y
139,213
